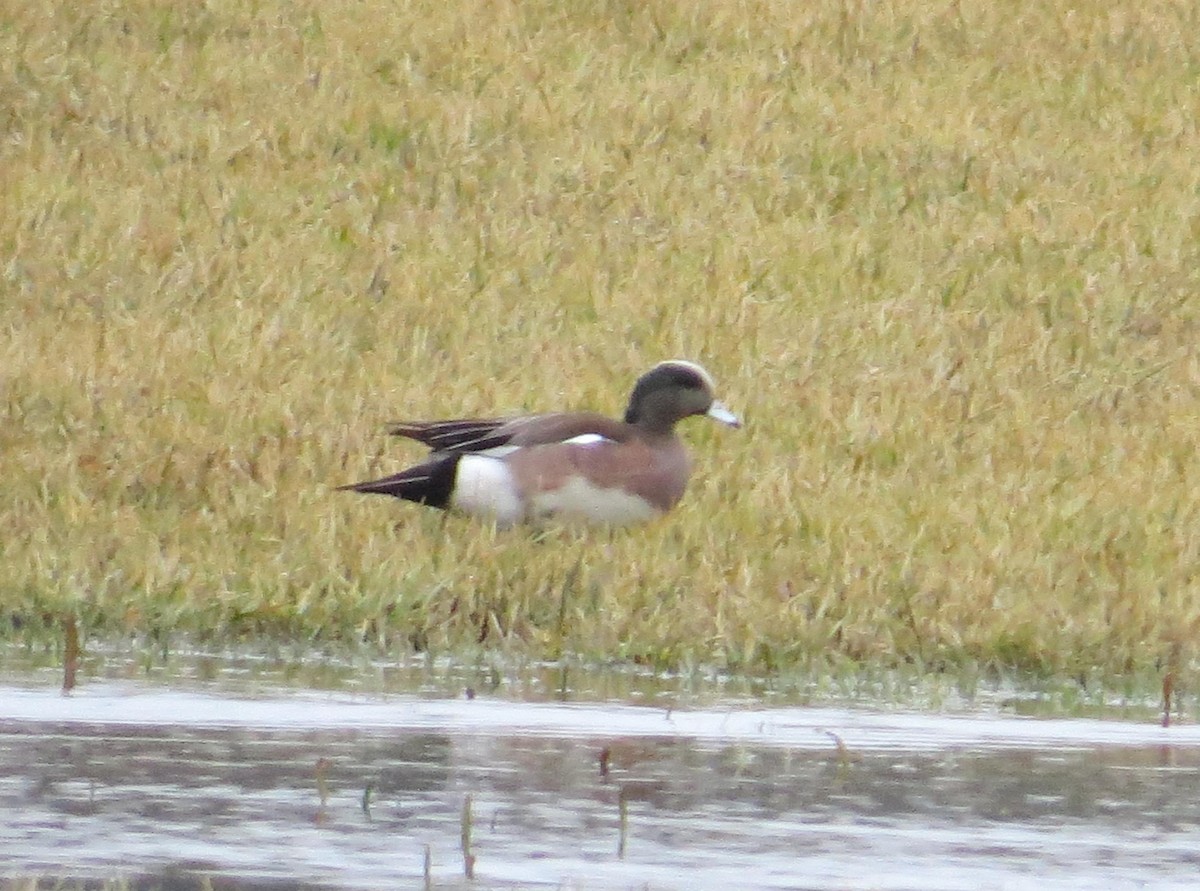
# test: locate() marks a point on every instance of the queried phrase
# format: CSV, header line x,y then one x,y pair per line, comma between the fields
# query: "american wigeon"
x,y
565,465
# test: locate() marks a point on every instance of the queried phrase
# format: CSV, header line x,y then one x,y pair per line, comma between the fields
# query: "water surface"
x,y
170,786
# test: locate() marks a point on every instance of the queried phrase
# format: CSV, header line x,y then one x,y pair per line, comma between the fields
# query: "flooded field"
x,y
185,788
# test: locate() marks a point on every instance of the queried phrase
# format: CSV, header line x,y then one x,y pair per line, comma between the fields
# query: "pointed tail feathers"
x,y
430,483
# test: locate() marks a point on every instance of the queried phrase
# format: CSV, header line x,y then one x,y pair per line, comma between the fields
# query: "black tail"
x,y
430,483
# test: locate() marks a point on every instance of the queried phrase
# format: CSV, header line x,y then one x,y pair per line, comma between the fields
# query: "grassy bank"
x,y
943,258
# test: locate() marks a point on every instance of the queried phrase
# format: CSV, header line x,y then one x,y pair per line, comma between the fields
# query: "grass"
x,y
943,258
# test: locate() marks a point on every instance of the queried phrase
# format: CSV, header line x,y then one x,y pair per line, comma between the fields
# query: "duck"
x,y
568,466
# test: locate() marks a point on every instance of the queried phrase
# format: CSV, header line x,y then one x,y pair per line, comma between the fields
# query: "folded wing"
x,y
474,435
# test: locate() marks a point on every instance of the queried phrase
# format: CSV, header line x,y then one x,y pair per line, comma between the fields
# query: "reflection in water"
x,y
233,794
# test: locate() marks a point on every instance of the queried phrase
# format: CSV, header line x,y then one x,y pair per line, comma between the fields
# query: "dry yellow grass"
x,y
943,257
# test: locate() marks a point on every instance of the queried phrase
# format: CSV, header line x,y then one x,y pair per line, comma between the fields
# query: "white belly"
x,y
579,500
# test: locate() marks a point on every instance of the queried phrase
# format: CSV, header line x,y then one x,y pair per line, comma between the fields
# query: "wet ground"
x,y
182,786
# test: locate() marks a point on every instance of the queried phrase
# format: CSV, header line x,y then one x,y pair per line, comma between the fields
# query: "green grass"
x,y
944,259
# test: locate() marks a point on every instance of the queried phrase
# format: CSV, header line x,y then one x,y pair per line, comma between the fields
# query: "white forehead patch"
x,y
690,366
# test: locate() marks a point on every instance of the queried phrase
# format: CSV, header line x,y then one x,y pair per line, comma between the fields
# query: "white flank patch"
x,y
484,487
580,500
498,451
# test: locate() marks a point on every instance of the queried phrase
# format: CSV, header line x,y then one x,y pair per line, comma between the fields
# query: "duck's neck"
x,y
652,429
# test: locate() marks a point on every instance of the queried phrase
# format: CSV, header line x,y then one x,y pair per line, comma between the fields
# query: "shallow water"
x,y
164,787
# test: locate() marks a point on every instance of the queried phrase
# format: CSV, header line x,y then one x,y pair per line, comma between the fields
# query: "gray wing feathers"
x,y
476,435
